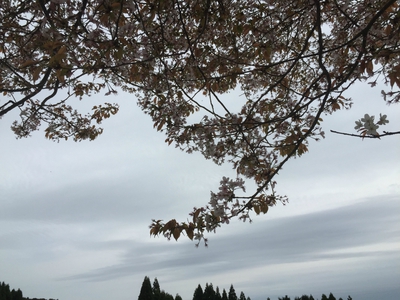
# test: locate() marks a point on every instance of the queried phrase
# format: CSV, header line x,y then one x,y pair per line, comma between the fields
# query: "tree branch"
x,y
4,110
385,133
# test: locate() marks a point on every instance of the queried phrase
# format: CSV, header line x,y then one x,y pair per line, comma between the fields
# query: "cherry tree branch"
x,y
385,133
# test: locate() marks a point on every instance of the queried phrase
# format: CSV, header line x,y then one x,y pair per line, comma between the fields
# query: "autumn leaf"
x,y
176,233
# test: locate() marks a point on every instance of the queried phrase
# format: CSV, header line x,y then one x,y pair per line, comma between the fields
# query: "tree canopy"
x,y
292,60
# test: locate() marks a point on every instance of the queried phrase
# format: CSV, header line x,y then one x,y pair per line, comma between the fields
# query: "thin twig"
x,y
385,133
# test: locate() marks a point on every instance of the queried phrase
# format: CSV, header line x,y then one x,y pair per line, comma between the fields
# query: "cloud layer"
x,y
74,216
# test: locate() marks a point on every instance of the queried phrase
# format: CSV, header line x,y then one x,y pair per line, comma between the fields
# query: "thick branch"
x,y
21,102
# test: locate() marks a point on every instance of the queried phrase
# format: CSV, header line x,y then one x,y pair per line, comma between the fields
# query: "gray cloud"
x,y
326,235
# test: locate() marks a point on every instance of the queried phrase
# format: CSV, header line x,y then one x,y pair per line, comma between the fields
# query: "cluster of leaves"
x,y
293,61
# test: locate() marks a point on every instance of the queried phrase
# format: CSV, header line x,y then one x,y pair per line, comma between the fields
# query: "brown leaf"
x,y
36,73
189,232
176,233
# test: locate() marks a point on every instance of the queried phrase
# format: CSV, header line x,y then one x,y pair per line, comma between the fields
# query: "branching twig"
x,y
385,133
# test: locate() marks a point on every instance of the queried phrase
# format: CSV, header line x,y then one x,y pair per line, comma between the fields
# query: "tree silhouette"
x,y
198,293
232,294
146,291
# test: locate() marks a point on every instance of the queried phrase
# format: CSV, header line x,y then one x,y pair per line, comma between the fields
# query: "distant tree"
x,y
305,297
156,290
349,298
284,298
242,296
156,286
178,297
5,292
232,294
324,297
198,293
209,293
224,295
15,295
146,291
217,294
166,296
331,297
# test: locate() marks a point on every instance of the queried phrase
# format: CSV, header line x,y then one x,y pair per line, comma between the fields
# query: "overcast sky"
x,y
74,216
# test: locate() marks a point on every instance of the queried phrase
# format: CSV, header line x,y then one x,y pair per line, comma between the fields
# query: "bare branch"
x,y
385,133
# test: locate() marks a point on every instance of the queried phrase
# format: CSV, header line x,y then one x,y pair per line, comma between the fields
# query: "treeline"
x,y
210,294
305,297
7,294
153,292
